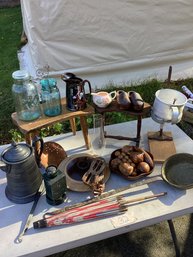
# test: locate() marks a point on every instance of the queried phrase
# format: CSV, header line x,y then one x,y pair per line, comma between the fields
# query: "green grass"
x,y
10,34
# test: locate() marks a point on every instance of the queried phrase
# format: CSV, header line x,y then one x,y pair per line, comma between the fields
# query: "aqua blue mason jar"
x,y
25,95
50,94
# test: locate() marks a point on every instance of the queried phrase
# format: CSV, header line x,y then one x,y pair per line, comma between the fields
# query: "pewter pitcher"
x,y
75,91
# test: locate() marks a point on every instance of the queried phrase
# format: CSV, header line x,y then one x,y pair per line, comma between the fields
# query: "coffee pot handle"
x,y
175,115
5,167
38,145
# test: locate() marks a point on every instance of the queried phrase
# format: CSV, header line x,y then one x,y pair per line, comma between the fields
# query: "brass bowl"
x,y
177,170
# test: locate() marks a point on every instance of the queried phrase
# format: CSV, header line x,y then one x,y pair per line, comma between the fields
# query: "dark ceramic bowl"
x,y
177,170
74,167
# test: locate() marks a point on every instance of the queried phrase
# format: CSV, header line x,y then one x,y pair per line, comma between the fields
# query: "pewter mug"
x,y
23,175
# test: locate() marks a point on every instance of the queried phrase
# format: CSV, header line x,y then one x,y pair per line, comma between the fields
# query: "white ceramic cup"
x,y
168,106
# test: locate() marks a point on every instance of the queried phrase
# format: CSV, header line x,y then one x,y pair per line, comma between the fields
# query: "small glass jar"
x,y
51,99
25,96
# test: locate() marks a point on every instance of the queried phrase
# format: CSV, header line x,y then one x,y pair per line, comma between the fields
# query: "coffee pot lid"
x,y
16,152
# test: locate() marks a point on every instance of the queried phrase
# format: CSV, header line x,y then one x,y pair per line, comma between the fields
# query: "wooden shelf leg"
x,y
84,127
139,121
73,125
28,138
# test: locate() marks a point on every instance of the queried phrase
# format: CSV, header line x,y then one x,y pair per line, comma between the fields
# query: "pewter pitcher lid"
x,y
71,77
16,153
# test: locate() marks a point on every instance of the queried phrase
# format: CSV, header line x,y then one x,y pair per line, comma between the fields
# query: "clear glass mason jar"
x,y
51,99
25,96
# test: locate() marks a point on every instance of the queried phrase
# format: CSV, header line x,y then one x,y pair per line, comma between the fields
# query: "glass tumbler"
x,y
97,137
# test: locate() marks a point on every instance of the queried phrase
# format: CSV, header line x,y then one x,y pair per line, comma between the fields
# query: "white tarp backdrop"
x,y
119,40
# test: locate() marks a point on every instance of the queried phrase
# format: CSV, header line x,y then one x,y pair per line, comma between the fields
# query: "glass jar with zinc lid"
x,y
25,95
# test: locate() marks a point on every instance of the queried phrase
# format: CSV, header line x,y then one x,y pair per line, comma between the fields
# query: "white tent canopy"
x,y
113,40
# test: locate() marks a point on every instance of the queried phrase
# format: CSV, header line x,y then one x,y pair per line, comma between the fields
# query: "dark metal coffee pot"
x,y
23,175
75,91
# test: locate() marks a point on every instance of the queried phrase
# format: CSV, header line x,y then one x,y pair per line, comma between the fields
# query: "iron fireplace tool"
x,y
19,238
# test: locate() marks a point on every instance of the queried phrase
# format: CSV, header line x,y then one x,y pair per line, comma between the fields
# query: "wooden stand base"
x,y
30,129
161,150
114,107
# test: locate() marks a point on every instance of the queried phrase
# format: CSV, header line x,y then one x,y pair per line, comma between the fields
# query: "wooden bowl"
x,y
130,177
74,167
53,154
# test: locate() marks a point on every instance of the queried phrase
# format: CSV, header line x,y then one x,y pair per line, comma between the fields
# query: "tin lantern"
x,y
55,184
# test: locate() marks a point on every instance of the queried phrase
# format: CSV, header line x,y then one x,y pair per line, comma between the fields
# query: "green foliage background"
x,y
10,34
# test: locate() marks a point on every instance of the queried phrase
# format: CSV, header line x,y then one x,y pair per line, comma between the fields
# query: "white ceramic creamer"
x,y
102,99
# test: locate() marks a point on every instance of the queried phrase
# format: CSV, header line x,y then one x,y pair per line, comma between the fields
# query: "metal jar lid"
x,y
16,153
20,74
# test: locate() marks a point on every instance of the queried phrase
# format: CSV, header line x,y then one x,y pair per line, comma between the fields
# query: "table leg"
x,y
174,237
73,125
84,127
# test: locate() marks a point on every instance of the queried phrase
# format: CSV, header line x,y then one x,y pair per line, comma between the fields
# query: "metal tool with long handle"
x,y
29,218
